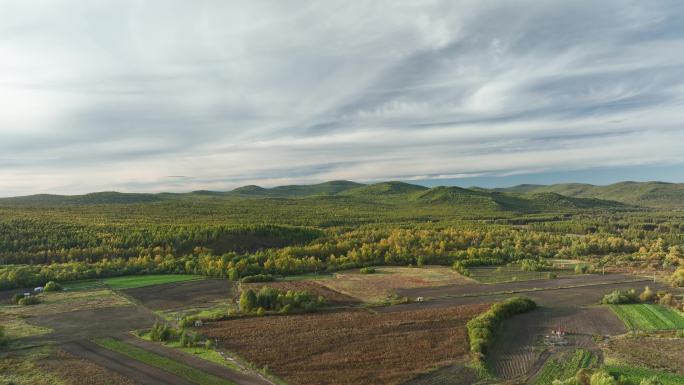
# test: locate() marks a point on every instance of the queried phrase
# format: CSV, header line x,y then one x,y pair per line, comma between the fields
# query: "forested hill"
x,y
645,194
342,195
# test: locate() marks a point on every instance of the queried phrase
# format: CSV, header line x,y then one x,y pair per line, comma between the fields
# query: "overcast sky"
x,y
184,95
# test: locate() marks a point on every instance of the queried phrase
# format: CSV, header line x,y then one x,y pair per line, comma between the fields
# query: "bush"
x,y
162,332
677,278
647,296
482,328
3,336
208,344
29,300
258,278
651,381
52,286
602,377
367,270
16,297
618,297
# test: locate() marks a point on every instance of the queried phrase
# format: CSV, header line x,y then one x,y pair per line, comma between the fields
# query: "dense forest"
x,y
322,228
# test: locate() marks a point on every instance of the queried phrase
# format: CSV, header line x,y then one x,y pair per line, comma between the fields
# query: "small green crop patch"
x,y
85,284
648,317
161,362
632,375
133,281
561,368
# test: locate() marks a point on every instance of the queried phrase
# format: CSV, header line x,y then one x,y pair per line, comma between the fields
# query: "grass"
x,y
648,317
558,369
308,277
18,328
199,351
633,375
85,284
512,273
161,362
134,281
22,368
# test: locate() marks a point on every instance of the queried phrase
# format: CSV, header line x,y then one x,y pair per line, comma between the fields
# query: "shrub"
x,y
602,377
248,300
29,300
162,332
651,381
647,296
481,329
617,297
3,336
258,278
52,286
208,344
677,278
367,270
16,297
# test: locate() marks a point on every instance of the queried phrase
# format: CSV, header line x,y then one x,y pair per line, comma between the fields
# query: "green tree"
x,y
248,300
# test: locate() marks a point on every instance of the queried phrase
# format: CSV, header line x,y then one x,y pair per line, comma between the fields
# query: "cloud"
x,y
121,95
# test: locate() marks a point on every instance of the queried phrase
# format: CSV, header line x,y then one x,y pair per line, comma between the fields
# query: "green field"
x,y
129,281
512,273
164,363
633,375
649,317
561,369
133,281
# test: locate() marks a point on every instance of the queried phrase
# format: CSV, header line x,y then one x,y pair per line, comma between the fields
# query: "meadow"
x,y
649,317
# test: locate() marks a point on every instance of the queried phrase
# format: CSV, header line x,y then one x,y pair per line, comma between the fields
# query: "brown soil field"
x,y
64,302
455,374
124,365
315,287
658,353
180,295
352,346
473,287
388,280
73,370
93,323
520,344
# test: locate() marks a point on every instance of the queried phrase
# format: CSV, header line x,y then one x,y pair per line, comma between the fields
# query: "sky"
x,y
177,95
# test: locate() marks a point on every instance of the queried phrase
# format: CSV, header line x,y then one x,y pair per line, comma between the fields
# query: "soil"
x,y
661,353
87,324
77,371
135,370
350,346
182,295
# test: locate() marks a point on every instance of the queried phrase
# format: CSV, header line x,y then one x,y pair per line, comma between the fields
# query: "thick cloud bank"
x,y
182,95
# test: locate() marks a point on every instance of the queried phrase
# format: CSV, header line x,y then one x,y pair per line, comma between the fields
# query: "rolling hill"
x,y
646,194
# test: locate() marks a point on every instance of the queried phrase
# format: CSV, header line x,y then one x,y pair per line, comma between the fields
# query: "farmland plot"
x,y
649,317
351,346
566,366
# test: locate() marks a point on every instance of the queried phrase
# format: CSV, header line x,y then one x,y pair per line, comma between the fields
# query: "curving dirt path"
x,y
135,370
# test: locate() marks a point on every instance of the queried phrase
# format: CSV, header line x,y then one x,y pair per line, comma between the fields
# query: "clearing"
x,y
133,281
350,346
182,295
649,317
385,282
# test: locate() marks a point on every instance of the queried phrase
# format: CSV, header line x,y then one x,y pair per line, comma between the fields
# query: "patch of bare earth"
x,y
388,280
179,295
658,353
77,371
351,346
